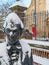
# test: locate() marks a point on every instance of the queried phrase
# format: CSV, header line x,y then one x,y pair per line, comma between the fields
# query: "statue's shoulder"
x,y
3,45
23,41
3,49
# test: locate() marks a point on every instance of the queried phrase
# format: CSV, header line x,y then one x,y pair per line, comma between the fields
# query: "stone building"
x,y
40,8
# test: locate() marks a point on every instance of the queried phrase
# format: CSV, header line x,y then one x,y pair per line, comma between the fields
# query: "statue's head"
x,y
13,27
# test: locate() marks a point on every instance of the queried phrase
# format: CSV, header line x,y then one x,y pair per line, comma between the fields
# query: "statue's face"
x,y
13,27
13,33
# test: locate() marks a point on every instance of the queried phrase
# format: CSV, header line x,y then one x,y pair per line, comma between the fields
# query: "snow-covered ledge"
x,y
45,43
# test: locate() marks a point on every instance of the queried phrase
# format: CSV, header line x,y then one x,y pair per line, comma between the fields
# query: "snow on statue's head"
x,y
13,27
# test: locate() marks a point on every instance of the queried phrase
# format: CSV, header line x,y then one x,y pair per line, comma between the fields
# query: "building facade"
x,y
41,17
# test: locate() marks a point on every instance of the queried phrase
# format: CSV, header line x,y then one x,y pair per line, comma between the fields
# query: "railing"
x,y
40,52
40,48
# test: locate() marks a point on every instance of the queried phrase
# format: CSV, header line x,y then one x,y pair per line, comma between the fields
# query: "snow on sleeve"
x,y
25,47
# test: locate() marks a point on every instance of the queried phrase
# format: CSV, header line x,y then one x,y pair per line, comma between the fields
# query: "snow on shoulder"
x,y
25,46
15,19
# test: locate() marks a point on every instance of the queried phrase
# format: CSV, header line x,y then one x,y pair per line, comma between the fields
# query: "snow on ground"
x,y
40,60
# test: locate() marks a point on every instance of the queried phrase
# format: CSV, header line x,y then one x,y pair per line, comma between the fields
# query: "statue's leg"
x,y
15,63
11,62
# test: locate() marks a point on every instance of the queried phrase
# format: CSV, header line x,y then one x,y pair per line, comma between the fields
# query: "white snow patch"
x,y
45,43
40,60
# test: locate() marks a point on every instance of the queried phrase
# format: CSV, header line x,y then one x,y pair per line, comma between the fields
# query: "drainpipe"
x,y
35,13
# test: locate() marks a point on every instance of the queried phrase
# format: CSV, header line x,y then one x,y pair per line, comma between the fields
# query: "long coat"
x,y
26,54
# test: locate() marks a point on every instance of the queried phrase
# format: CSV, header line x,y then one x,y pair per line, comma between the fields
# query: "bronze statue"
x,y
18,52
